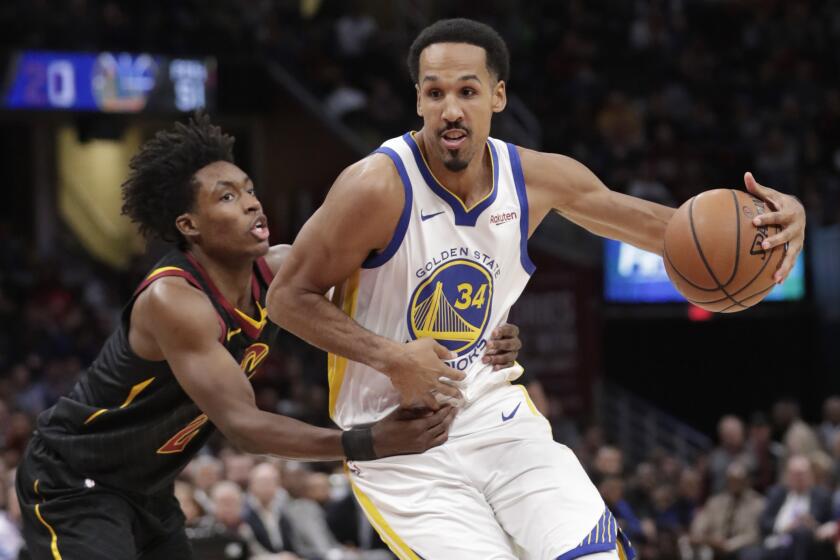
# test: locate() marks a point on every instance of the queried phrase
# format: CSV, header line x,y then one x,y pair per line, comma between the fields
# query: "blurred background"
x,y
695,427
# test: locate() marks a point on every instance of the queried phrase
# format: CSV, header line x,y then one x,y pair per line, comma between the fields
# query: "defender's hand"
x,y
411,431
787,212
503,347
419,373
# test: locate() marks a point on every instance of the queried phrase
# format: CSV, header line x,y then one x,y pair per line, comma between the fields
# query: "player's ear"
x,y
419,109
187,225
499,97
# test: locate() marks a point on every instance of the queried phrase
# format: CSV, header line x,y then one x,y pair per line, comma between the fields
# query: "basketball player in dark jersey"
x,y
96,481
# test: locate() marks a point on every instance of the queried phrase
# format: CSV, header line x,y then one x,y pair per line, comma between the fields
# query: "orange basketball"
x,y
713,252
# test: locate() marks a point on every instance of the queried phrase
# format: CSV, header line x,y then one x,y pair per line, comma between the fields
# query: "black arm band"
x,y
358,444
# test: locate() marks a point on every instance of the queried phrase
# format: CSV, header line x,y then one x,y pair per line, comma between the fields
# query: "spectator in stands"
x,y
185,494
665,513
731,448
612,490
797,436
348,522
728,524
266,509
764,453
11,540
312,534
563,428
830,427
206,472
609,461
640,489
237,467
689,497
794,510
228,519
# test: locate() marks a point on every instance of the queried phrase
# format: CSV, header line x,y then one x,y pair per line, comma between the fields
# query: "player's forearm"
x,y
632,220
316,320
262,432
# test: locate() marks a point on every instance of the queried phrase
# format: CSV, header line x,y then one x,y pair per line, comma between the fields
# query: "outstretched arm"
x,y
560,183
180,322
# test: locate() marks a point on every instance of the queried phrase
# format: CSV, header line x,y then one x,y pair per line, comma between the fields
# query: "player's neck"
x,y
232,278
470,185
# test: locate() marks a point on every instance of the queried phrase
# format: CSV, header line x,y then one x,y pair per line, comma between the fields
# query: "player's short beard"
x,y
455,164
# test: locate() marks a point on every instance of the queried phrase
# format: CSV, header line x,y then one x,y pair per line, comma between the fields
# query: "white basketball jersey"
x,y
449,272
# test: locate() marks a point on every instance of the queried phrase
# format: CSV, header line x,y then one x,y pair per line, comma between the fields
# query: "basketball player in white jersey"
x,y
427,241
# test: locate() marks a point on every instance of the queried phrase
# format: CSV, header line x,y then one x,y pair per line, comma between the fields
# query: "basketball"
x,y
713,252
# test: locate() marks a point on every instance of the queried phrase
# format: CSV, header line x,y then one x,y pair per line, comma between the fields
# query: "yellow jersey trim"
x,y
257,324
157,271
132,394
53,537
529,402
389,536
337,365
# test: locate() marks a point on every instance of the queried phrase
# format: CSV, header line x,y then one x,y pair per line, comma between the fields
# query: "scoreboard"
x,y
109,82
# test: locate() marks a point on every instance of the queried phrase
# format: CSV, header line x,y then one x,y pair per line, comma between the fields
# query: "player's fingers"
x,y
439,440
443,352
443,434
451,373
438,417
780,218
503,360
442,426
773,198
504,345
505,330
448,390
787,264
755,187
777,240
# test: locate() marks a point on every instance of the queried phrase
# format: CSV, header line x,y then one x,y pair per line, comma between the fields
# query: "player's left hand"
x,y
787,212
503,346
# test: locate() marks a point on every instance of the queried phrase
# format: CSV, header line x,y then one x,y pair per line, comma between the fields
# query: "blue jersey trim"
x,y
378,259
521,193
586,550
605,536
463,215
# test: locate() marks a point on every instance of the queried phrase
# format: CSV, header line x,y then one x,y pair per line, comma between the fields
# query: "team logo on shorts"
x,y
452,305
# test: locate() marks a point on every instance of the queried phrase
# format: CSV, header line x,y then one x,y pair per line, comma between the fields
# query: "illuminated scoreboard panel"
x,y
109,82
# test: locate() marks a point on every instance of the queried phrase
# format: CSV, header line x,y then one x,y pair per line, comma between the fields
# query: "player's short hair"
x,y
161,181
462,30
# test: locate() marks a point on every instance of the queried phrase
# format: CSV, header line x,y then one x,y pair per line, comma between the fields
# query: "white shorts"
x,y
501,489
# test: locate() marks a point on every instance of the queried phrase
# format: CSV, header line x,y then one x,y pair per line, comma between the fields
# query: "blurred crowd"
x,y
661,98
769,490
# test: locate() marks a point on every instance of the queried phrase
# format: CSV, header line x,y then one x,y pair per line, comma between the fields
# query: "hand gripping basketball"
x,y
788,213
714,254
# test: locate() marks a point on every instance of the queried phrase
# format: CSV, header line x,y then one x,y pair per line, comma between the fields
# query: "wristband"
x,y
358,444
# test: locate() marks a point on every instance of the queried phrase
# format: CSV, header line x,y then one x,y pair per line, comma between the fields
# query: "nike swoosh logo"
x,y
512,413
425,217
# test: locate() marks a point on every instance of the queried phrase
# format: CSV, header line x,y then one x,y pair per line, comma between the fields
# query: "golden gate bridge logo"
x,y
452,305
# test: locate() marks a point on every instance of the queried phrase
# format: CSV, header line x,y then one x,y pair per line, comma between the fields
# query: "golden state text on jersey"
x,y
450,272
452,303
